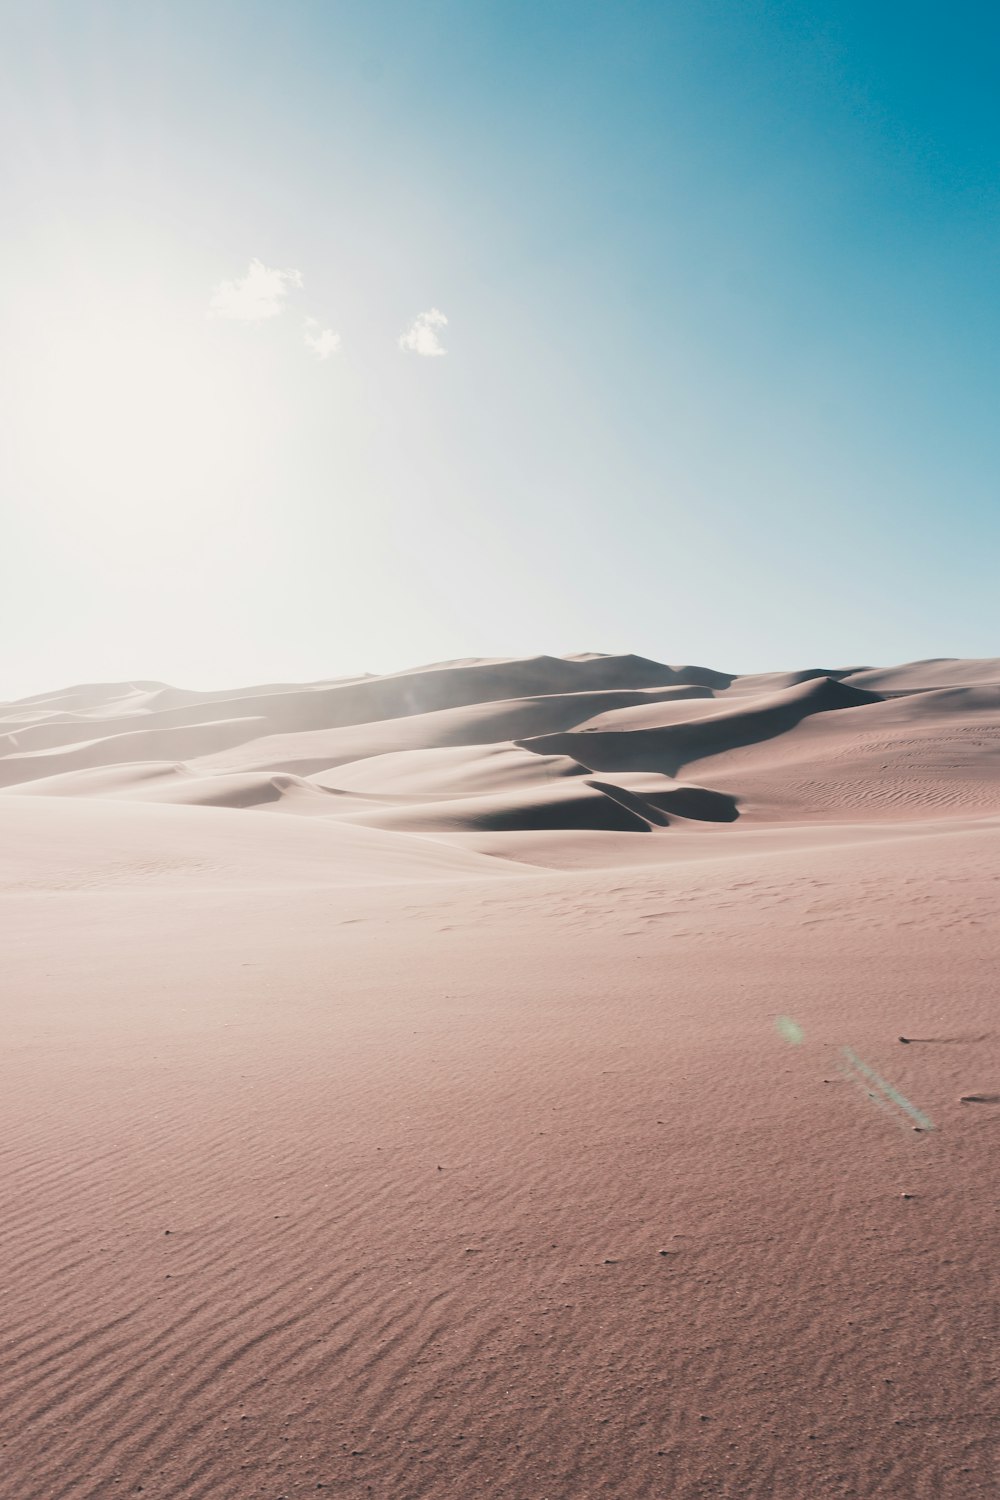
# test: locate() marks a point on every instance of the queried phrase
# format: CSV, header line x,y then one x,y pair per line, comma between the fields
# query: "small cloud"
x,y
322,341
259,294
421,337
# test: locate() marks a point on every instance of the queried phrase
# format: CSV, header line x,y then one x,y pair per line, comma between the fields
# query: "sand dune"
x,y
454,770
712,731
566,804
172,781
934,752
915,676
582,1082
447,733
79,844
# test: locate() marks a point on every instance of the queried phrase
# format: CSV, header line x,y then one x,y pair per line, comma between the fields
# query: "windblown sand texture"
x,y
490,1081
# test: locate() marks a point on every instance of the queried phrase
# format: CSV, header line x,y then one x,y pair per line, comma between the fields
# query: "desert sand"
x,y
543,1079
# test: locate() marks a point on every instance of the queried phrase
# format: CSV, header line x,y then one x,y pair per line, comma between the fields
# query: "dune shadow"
x,y
700,804
673,746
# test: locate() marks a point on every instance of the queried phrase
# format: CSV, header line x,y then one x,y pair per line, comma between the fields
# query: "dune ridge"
x,y
482,746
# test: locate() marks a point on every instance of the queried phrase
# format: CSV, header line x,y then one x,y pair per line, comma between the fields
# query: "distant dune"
x,y
563,1077
533,744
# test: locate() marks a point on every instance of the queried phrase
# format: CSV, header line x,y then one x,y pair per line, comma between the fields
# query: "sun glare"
x,y
134,420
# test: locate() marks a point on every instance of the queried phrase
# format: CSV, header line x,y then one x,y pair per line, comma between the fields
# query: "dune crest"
x,y
474,747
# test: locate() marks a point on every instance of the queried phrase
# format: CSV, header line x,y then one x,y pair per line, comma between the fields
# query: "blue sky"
x,y
721,351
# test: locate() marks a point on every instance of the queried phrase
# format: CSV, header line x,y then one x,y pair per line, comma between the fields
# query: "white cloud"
x,y
259,294
322,341
421,337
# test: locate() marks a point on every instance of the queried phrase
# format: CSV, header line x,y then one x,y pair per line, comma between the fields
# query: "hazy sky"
x,y
337,337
